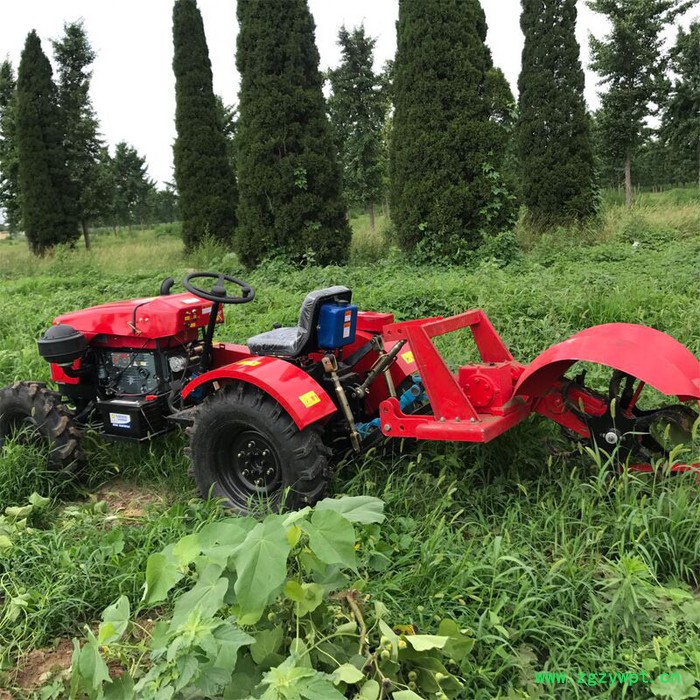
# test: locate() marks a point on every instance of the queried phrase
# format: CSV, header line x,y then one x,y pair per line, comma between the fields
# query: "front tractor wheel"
x,y
33,416
246,450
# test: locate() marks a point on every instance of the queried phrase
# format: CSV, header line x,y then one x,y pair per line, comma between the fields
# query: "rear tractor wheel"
x,y
246,450
33,416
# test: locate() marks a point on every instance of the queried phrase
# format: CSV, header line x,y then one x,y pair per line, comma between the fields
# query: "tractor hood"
x,y
149,318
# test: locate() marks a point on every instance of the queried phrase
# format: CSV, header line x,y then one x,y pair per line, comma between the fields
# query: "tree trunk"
x,y
387,209
370,209
628,179
86,234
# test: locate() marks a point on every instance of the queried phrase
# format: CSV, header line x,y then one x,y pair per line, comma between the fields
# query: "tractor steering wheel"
x,y
218,291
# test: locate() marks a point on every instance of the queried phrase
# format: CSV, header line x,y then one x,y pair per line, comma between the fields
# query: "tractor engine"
x,y
131,391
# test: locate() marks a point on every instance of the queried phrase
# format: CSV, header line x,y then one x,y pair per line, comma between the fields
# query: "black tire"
x,y
30,412
246,450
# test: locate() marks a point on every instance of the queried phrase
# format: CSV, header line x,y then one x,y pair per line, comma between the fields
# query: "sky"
x,y
133,88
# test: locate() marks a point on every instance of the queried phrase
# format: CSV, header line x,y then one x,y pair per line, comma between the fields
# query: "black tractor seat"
x,y
301,339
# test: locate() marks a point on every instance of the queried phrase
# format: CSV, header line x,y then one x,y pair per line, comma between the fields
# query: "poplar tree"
x,y
9,166
288,174
632,62
47,193
447,147
358,105
205,182
554,133
681,119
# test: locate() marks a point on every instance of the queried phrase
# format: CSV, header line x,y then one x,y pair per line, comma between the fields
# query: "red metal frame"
x,y
454,415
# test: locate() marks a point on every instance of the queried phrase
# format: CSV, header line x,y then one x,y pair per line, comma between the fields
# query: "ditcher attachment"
x,y
639,356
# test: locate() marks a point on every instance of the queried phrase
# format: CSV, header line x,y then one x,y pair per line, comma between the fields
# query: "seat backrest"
x,y
310,309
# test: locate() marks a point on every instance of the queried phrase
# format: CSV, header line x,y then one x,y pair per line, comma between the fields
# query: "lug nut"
x,y
241,455
245,472
269,472
251,445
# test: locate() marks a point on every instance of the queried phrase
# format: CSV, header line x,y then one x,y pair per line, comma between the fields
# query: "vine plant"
x,y
270,610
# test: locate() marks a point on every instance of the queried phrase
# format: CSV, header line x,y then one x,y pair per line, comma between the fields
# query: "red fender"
x,y
301,396
650,355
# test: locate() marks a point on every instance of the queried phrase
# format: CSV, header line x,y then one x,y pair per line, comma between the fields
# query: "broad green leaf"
x,y
295,516
187,549
5,542
678,685
331,538
261,564
39,501
307,596
121,688
206,597
18,512
230,531
369,691
406,695
318,688
293,535
347,673
425,642
691,612
161,575
230,639
267,642
458,645
300,651
91,665
115,620
356,509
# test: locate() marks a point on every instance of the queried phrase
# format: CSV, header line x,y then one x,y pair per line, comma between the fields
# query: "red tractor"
x,y
265,418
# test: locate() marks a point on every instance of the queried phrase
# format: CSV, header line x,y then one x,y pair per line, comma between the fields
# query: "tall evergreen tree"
x,y
47,193
288,173
205,182
132,186
554,134
632,63
358,106
9,165
447,146
681,120
74,55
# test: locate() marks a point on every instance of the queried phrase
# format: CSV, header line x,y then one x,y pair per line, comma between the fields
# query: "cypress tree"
x,y
9,166
48,196
446,148
205,181
554,132
288,174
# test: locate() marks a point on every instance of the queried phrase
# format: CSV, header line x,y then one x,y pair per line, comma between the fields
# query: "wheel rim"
x,y
247,466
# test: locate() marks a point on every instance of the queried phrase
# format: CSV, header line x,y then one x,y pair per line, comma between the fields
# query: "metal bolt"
x,y
270,472
245,472
251,445
258,482
442,419
612,437
241,455
265,453
387,428
472,420
457,420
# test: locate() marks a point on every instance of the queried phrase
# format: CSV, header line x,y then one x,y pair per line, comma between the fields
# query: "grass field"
x,y
545,559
